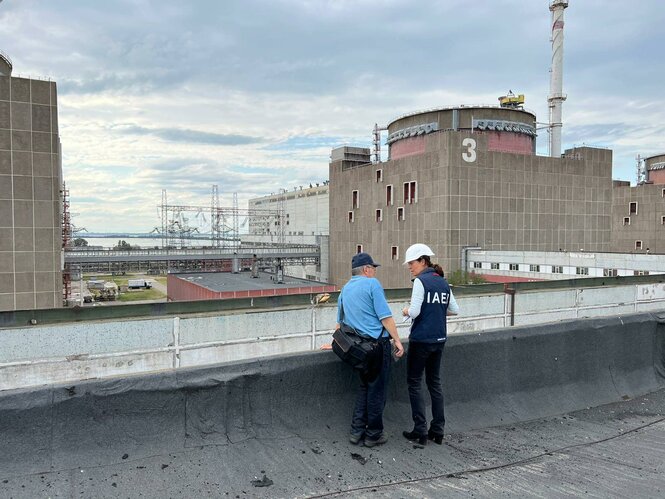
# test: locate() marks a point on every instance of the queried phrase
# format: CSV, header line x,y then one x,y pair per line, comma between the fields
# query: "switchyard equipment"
x,y
224,226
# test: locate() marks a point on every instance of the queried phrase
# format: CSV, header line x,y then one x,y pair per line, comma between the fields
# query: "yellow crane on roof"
x,y
511,100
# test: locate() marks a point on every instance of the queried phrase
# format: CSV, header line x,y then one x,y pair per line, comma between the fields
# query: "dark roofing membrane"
x,y
568,409
243,281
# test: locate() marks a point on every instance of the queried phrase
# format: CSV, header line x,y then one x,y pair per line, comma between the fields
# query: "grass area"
x,y
461,278
141,294
133,294
122,280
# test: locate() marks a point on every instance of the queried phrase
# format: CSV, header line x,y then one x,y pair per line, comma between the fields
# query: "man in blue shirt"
x,y
362,305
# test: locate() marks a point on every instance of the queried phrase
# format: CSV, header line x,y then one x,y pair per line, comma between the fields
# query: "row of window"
x,y
378,215
554,269
394,251
410,195
626,220
515,266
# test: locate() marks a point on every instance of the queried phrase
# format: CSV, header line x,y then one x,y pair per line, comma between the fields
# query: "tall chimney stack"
x,y
556,97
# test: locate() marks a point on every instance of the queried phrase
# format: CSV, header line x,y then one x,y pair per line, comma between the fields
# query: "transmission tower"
x,y
66,242
165,220
236,223
215,215
641,170
281,208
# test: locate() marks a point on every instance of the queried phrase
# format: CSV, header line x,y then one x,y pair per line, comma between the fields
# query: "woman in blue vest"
x,y
431,301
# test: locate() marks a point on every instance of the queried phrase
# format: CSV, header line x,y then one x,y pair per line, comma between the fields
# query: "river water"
x,y
146,243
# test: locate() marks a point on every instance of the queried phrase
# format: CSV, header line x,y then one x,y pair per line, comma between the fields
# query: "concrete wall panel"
x,y
191,357
474,306
480,324
20,116
608,311
73,370
649,306
606,296
545,317
81,340
649,292
532,302
233,327
325,318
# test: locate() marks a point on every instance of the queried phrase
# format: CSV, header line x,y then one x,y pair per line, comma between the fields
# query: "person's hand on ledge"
x,y
326,346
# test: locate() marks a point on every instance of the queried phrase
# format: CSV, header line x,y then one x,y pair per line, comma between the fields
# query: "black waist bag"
x,y
362,353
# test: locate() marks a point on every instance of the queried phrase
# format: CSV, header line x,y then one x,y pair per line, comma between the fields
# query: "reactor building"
x,y
465,177
30,183
638,212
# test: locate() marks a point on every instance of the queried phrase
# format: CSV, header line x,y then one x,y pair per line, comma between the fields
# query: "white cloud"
x,y
252,94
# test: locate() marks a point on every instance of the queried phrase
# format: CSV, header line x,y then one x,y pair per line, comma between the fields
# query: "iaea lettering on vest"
x,y
441,298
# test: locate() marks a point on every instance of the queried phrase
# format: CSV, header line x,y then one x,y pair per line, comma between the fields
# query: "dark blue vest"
x,y
430,325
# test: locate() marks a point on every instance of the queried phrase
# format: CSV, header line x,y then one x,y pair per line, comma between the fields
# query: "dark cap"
x,y
362,259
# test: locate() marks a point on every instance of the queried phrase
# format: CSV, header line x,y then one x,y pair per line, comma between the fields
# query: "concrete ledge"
x,y
67,353
490,379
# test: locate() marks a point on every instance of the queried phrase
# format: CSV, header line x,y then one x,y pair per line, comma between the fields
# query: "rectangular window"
x,y
534,268
640,272
477,265
359,248
662,220
609,272
350,217
394,252
379,175
379,215
626,220
400,214
632,208
557,269
494,266
582,270
663,193
513,266
389,195
410,192
638,245
354,200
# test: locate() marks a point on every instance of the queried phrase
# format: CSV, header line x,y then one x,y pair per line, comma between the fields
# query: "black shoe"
x,y
413,436
379,441
355,439
438,438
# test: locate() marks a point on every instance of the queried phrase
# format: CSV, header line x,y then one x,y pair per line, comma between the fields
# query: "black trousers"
x,y
371,399
425,357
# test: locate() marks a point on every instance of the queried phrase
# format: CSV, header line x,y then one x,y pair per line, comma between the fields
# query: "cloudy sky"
x,y
251,95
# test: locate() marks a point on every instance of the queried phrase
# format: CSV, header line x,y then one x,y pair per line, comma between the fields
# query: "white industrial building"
x,y
513,266
305,216
303,211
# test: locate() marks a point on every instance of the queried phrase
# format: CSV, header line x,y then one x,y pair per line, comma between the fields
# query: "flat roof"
x,y
243,281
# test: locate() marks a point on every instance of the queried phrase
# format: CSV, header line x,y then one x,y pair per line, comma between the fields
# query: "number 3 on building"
x,y
470,154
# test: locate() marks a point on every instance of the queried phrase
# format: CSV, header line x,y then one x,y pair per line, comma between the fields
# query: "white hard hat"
x,y
415,251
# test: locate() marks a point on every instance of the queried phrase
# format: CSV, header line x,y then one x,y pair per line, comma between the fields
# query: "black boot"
x,y
413,436
438,439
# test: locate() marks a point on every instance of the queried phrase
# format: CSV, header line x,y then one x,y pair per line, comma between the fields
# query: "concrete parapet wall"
x,y
59,353
500,377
